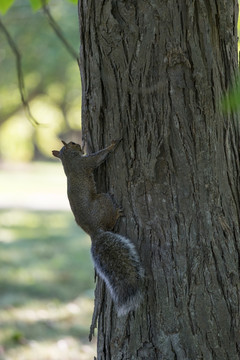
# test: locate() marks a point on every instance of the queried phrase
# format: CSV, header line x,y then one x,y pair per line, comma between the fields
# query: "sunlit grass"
x,y
33,186
46,279
65,348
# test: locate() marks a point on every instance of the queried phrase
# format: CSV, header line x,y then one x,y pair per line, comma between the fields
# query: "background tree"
x,y
154,73
54,95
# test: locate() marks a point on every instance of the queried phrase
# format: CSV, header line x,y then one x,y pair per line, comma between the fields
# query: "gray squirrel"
x,y
115,257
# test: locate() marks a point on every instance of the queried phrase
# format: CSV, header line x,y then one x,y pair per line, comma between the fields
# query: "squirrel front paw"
x,y
114,144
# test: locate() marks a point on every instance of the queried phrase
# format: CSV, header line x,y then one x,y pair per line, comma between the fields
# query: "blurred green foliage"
x,y
52,81
5,5
35,4
231,100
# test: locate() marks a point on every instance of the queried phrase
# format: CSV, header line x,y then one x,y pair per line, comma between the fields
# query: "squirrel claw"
x,y
120,213
114,143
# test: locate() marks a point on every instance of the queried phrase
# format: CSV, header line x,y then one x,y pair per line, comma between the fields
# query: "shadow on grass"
x,y
47,255
41,330
46,277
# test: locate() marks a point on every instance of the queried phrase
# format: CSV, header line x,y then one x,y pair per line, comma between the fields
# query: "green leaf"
x,y
5,5
73,1
37,4
231,101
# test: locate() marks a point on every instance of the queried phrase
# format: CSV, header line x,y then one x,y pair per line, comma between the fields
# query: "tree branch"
x,y
58,31
21,84
4,117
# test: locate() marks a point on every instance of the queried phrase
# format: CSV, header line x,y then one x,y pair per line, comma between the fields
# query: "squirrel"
x,y
114,256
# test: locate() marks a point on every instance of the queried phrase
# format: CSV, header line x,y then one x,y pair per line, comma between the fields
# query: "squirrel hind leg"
x,y
107,211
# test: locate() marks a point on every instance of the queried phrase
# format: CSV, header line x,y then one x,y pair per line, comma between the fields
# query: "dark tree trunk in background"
x,y
153,72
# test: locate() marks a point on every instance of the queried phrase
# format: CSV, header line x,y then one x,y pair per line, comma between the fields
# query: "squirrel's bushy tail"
x,y
117,263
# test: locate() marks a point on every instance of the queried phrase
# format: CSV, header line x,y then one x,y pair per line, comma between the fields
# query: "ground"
x,y
46,277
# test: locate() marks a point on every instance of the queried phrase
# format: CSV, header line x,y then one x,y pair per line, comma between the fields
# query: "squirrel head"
x,y
68,152
70,155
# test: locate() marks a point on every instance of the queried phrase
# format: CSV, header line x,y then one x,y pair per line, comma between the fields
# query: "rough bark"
x,y
153,72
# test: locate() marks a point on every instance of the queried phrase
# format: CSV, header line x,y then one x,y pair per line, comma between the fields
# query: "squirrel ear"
x,y
64,143
56,153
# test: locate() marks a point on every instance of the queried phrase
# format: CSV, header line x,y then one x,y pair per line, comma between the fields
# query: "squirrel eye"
x,y
73,143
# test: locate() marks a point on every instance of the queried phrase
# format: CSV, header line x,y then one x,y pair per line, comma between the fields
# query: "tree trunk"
x,y
153,72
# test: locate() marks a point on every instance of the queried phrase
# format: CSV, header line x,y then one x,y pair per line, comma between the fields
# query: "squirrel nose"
x,y
56,153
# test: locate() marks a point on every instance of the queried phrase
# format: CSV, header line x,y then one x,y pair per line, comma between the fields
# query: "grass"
x,y
46,274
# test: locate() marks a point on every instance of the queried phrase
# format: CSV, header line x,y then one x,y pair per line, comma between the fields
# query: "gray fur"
x,y
118,264
115,257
